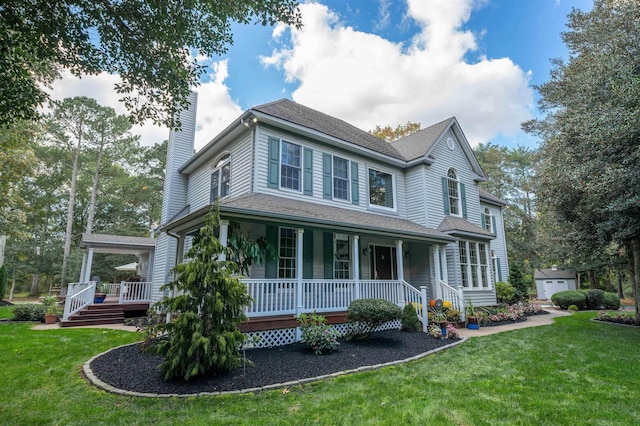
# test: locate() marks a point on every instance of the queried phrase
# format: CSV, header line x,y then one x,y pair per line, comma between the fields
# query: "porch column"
x,y
299,266
399,260
424,312
224,234
84,266
355,249
87,272
443,259
436,262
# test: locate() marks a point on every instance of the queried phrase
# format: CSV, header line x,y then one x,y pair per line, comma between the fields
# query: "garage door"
x,y
552,287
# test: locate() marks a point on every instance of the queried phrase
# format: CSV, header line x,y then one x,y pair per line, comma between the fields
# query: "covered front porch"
x,y
324,263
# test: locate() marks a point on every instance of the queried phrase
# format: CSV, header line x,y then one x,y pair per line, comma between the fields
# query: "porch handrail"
x,y
78,301
455,296
134,292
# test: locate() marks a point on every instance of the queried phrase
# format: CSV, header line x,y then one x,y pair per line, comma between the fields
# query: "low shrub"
x,y
316,334
29,312
409,321
453,315
530,309
504,292
572,308
628,318
570,297
611,301
595,298
366,315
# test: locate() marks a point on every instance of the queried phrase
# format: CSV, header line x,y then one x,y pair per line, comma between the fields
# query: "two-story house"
x,y
351,215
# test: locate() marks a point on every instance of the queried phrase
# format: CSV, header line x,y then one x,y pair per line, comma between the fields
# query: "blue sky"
x,y
383,62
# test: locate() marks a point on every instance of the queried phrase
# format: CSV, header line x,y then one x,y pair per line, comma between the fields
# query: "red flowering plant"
x,y
316,334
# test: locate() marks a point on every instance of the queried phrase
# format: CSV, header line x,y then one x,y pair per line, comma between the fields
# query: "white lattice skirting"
x,y
285,336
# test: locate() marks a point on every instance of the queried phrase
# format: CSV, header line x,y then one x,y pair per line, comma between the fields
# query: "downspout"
x,y
175,263
250,123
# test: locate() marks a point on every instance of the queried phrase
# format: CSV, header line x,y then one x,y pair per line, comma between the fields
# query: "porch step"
x,y
96,315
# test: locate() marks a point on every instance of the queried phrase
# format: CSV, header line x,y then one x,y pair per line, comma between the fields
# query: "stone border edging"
x,y
614,323
88,373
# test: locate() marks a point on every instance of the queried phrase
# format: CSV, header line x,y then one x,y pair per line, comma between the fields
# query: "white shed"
x,y
551,281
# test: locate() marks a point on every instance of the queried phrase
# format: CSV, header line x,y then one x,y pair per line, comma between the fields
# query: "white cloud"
x,y
215,110
368,80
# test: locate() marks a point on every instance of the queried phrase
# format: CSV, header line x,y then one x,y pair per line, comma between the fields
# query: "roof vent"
x,y
554,267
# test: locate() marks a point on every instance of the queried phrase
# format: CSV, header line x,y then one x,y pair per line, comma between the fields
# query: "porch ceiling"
x,y
270,208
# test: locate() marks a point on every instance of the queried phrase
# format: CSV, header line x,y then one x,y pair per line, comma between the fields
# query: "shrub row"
x,y
28,312
586,299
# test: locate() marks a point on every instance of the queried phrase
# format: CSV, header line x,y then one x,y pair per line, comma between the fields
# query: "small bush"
x,y
573,308
611,301
409,321
29,312
504,292
570,297
595,298
316,334
368,314
453,315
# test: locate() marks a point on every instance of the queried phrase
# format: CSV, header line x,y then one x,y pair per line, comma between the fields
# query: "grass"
x,y
572,372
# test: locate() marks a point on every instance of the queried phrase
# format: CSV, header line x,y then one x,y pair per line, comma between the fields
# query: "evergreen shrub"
x,y
28,312
409,320
570,297
595,298
504,292
611,301
365,315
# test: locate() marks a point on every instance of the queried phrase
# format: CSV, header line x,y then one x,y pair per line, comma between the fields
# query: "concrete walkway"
x,y
56,326
532,321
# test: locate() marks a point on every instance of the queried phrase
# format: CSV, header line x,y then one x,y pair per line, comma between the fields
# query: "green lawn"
x,y
572,372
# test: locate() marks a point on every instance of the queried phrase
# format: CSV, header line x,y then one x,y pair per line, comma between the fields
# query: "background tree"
x,y
589,178
147,43
390,134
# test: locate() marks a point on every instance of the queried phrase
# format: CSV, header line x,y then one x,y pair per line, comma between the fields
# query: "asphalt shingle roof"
x,y
280,208
490,197
418,144
542,274
452,223
304,116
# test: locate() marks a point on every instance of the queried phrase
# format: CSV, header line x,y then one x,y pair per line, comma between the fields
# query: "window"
x,y
340,178
487,220
220,178
287,253
454,193
380,189
494,261
341,257
474,263
290,166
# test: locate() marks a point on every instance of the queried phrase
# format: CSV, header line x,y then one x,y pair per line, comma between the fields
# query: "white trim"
x,y
348,179
300,167
393,189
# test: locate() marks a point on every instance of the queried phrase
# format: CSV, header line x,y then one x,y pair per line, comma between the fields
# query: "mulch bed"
x,y
5,303
129,369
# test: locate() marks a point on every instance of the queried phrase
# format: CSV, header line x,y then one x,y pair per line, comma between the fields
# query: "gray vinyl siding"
x,y
416,197
444,160
419,266
499,245
199,193
481,297
261,174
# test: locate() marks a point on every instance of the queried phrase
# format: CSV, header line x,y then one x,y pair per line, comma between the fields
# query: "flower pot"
x,y
50,318
472,323
99,297
443,328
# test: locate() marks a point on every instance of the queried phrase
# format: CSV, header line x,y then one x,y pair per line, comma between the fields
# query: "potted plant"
x,y
472,318
52,310
439,314
100,294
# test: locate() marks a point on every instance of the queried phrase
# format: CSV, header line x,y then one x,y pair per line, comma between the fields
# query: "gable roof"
x,y
419,144
567,274
490,198
293,112
458,226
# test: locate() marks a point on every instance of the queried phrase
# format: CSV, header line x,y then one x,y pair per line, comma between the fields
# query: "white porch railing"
x,y
445,292
280,297
82,297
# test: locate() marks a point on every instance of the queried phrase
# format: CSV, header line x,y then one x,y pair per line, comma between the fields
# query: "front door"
x,y
383,263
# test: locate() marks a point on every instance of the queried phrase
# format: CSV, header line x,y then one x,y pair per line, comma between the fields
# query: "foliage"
x,y
611,301
470,308
409,320
153,47
595,298
573,308
365,315
452,332
570,297
210,302
316,334
435,331
588,181
245,251
519,283
4,279
504,292
52,307
453,315
28,312
627,318
390,134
